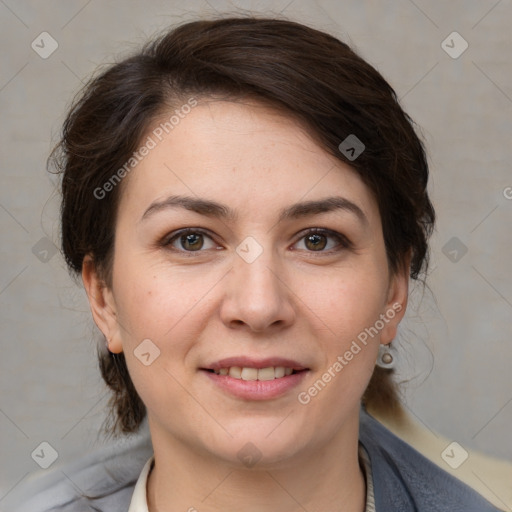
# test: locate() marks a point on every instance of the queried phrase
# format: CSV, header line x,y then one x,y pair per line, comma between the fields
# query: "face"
x,y
242,247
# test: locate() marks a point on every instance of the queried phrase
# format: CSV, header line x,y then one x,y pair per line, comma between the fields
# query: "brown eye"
x,y
316,242
189,240
323,241
192,241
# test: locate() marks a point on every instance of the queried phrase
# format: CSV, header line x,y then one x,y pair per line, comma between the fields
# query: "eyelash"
x,y
343,241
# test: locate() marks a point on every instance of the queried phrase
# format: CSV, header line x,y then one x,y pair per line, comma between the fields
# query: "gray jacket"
x,y
403,480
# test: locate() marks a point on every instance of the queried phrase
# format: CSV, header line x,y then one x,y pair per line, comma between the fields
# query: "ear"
x,y
396,304
101,301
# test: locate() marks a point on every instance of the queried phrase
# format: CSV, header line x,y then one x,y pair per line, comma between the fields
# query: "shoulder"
x,y
406,479
101,481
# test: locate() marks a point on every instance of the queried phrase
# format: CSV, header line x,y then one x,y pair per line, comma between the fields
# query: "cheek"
x,y
166,308
346,301
348,304
154,302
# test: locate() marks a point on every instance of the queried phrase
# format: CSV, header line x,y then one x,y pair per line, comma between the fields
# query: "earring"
x,y
385,358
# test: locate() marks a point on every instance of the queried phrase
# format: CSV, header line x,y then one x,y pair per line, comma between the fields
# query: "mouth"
x,y
262,374
251,379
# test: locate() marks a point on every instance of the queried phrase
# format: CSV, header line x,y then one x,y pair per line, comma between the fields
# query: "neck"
x,y
326,478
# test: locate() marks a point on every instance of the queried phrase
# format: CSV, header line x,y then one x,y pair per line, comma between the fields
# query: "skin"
x,y
296,300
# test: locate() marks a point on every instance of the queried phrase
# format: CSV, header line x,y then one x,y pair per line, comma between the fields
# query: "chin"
x,y
261,446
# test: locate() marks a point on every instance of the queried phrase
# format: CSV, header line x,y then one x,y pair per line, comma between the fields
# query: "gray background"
x,y
456,343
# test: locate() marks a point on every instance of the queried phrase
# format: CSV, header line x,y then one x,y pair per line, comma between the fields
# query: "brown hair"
x,y
306,73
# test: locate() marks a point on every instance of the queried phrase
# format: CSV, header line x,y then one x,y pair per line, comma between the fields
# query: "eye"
x,y
190,240
317,240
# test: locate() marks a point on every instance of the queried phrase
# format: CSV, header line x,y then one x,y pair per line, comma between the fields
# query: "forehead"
x,y
242,153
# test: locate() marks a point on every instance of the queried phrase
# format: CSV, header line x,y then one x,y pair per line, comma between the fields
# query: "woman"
x,y
246,201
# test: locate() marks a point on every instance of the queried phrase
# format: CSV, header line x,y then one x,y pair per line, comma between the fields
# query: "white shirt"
x,y
139,501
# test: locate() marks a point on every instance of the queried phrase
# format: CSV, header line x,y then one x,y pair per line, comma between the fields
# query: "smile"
x,y
246,373
256,379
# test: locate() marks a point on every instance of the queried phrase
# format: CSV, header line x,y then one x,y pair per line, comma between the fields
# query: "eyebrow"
x,y
217,210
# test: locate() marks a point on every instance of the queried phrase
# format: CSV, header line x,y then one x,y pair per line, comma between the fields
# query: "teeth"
x,y
279,372
269,373
266,374
235,372
249,374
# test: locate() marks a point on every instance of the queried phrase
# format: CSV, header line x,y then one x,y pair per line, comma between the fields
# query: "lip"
x,y
247,362
256,389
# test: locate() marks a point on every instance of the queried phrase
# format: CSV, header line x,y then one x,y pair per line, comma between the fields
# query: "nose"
x,y
257,297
